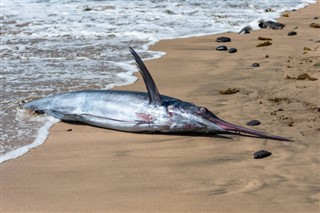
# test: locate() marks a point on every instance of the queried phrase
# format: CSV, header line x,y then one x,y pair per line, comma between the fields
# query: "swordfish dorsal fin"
x,y
154,95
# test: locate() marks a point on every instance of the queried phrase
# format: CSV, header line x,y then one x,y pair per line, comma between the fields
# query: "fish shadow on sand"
x,y
218,135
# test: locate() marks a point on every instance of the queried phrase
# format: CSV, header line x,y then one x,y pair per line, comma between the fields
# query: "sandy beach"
x,y
88,169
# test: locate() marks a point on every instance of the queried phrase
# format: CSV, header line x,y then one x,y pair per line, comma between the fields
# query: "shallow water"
x,y
54,46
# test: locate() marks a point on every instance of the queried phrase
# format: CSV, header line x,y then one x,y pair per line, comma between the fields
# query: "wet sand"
x,y
92,169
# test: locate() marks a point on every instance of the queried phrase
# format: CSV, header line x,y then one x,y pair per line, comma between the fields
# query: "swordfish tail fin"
x,y
153,93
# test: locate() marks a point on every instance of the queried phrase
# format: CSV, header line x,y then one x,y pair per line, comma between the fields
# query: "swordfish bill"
x,y
132,111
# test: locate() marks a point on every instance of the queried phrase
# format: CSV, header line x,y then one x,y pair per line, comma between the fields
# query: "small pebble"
x,y
253,123
246,30
255,65
222,48
69,130
233,50
269,10
87,8
292,33
223,39
261,154
271,24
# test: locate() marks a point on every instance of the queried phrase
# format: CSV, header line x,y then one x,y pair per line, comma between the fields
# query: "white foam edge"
x,y
273,16
129,65
41,137
131,68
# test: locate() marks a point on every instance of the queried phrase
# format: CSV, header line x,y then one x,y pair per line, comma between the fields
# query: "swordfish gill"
x,y
137,111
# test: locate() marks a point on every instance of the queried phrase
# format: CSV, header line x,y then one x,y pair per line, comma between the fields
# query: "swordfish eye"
x,y
201,110
170,110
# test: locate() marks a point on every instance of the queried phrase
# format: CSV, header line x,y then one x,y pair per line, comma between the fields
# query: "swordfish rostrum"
x,y
137,111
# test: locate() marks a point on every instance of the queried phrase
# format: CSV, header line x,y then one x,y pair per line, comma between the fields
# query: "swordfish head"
x,y
187,117
199,119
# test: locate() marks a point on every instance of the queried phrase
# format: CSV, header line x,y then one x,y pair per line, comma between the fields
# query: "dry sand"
x,y
91,169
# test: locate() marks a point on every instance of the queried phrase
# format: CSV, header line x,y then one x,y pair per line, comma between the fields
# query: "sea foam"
x,y
42,135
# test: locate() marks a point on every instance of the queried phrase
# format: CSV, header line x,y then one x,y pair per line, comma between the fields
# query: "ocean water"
x,y
53,46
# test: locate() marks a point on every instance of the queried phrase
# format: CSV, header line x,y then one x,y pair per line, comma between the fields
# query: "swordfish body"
x,y
137,111
113,109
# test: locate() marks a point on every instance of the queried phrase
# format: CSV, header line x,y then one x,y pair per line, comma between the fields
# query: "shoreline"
x,y
13,154
152,168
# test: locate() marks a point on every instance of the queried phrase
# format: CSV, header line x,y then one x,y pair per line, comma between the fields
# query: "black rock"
x,y
223,39
271,24
275,25
255,65
222,48
261,154
169,12
246,30
87,8
262,25
269,10
253,123
233,50
292,33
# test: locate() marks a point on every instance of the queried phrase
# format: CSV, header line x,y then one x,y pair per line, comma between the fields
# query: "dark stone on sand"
x,y
69,130
246,30
292,33
222,48
271,24
262,25
316,17
253,123
261,154
223,39
233,50
255,65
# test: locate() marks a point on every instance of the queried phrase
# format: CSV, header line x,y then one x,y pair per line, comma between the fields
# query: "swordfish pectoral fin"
x,y
87,117
62,115
81,117
154,95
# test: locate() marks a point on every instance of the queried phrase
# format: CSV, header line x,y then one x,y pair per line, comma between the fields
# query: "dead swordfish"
x,y
137,111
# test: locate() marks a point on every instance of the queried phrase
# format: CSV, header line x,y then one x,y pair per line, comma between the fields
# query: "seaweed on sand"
x,y
263,44
303,76
229,91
